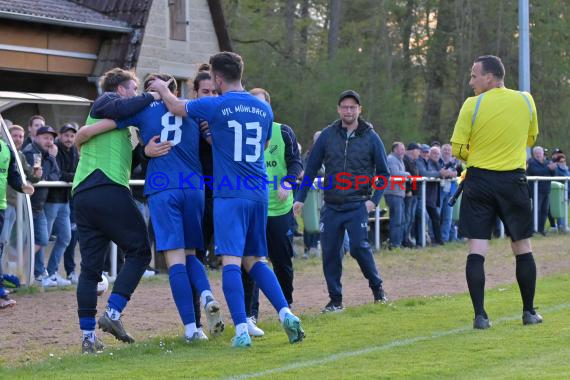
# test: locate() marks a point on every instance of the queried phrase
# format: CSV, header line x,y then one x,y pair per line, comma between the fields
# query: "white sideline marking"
x,y
384,347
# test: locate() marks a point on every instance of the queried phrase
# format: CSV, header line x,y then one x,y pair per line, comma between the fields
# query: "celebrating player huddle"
x,y
240,126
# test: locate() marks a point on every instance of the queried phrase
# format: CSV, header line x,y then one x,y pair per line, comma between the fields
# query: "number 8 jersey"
x,y
181,167
240,125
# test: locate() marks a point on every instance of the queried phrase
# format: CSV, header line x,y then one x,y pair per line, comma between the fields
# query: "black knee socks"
x,y
475,274
526,278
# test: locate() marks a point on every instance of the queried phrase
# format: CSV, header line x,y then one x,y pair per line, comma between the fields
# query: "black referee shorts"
x,y
488,194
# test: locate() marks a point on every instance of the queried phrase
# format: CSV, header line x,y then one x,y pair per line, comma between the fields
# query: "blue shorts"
x,y
240,227
176,216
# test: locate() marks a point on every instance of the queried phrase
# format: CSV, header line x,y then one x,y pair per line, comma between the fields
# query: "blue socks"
x,y
267,282
115,306
182,293
232,286
87,326
87,323
197,274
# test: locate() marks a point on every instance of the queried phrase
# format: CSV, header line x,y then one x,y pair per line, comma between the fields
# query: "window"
x,y
177,10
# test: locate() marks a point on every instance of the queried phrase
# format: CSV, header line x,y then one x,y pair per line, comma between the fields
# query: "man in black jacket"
x,y
38,154
354,157
411,199
537,165
57,207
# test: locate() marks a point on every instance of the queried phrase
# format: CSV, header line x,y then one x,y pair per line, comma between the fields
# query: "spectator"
x,y
561,170
432,168
41,152
8,175
32,175
57,210
394,194
411,199
34,123
448,187
539,166
422,159
58,206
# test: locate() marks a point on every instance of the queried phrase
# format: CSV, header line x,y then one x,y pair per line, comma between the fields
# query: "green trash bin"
x,y
456,207
311,211
557,199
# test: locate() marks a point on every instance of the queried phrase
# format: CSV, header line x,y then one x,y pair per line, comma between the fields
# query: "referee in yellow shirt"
x,y
491,134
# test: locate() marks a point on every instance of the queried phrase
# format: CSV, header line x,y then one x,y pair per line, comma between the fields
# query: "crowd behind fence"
x,y
421,182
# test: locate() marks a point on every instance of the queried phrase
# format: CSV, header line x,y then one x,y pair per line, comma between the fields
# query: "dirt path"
x,y
46,322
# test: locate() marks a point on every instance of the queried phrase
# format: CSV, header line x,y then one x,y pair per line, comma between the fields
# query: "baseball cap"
x,y
46,129
349,94
425,148
557,150
68,127
412,146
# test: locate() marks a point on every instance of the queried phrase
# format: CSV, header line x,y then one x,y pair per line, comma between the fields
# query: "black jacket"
x,y
535,168
361,153
50,171
412,168
67,161
430,168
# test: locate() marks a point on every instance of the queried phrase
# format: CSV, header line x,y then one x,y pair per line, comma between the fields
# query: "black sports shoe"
x,y
333,307
379,295
528,318
89,347
481,322
115,328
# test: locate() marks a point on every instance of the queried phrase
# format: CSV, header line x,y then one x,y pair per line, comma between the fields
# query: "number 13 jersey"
x,y
240,125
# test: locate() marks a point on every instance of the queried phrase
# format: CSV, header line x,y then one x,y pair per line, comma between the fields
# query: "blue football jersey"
x,y
181,167
240,125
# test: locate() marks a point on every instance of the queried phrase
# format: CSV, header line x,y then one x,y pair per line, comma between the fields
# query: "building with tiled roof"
x,y
63,46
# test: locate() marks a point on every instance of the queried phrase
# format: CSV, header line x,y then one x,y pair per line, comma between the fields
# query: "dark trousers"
x,y
280,249
104,214
435,222
208,235
207,229
543,206
310,239
69,254
335,223
250,295
410,207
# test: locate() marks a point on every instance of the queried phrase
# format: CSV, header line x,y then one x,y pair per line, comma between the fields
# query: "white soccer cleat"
x,y
252,328
214,317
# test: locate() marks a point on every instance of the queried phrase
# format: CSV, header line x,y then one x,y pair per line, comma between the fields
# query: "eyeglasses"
x,y
348,108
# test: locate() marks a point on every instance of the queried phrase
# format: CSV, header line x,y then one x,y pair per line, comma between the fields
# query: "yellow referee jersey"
x,y
497,125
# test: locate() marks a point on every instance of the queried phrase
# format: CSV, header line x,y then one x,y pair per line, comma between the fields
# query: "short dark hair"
x,y
172,86
115,77
492,64
31,120
228,65
203,74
